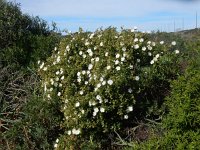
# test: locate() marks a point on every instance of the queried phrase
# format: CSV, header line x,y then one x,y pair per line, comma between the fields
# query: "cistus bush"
x,y
106,80
181,125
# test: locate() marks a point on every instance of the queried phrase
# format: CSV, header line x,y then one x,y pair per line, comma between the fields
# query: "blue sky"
x,y
147,15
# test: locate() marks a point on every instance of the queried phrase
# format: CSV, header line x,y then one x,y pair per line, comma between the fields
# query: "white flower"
x,y
62,77
123,59
52,82
149,53
110,82
117,56
116,62
92,35
57,140
42,65
67,48
60,85
152,62
77,104
79,79
102,109
104,83
92,60
136,40
108,67
86,82
136,46
101,79
130,90
155,59
98,85
124,49
94,113
121,44
149,42
82,111
57,72
177,51
45,68
141,40
55,48
89,51
61,71
131,66
87,43
161,42
97,59
125,116
95,77
56,145
59,93
130,108
149,47
84,56
83,72
51,89
118,68
106,54
58,59
80,53
81,92
137,78
100,101
98,97
49,96
153,44
90,66
173,43
45,87
92,103
78,73
38,62
101,44
55,84
91,54
144,48
76,131
157,55
96,109
138,60
69,132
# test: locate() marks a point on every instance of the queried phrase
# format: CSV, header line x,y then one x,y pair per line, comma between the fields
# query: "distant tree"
x,y
23,38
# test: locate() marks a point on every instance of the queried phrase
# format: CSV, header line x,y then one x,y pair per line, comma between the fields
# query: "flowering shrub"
x,y
105,80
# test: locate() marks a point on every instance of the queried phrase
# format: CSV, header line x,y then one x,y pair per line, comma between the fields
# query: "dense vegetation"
x,y
103,90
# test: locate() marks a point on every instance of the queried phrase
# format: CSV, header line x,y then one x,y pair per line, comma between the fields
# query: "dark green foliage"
x,y
180,127
38,129
26,121
24,39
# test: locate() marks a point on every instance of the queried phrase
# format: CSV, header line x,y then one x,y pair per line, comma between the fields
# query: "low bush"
x,y
26,120
106,81
180,127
